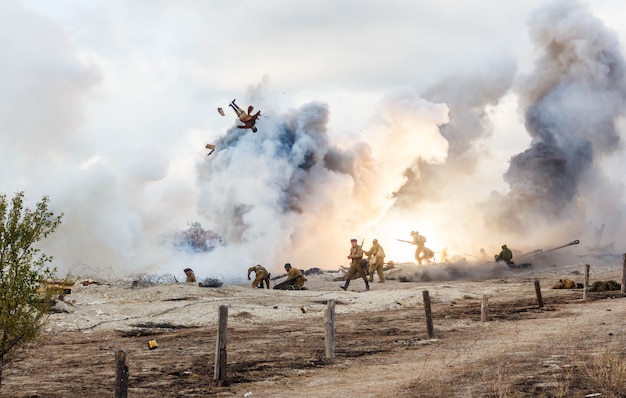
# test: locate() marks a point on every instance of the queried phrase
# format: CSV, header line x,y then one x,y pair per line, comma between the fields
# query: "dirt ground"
x,y
570,347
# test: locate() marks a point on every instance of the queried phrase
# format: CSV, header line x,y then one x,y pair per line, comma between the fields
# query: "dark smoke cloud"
x,y
571,103
267,191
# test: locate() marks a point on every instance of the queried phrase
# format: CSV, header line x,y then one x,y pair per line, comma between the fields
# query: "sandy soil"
x,y
275,349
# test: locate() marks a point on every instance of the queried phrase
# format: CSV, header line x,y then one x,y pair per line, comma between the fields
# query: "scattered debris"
x,y
211,282
57,286
90,282
194,239
152,344
314,271
150,329
143,280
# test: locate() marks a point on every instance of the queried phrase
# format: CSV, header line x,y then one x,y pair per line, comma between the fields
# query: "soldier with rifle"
x,y
358,265
420,250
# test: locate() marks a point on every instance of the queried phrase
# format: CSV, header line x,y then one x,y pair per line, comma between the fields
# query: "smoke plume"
x,y
292,195
571,103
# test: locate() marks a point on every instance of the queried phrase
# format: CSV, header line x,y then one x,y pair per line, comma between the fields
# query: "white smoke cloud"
x,y
112,135
289,194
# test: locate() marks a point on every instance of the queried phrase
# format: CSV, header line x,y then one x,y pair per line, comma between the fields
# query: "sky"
x,y
476,123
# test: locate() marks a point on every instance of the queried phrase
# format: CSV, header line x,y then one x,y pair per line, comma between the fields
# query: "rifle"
x,y
405,241
278,277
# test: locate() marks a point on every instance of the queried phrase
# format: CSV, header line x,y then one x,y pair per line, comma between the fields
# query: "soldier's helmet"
x,y
287,266
504,246
375,241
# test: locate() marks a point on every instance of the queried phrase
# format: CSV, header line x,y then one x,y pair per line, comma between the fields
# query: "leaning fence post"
x,y
429,315
484,309
329,321
220,347
121,376
586,284
623,290
538,292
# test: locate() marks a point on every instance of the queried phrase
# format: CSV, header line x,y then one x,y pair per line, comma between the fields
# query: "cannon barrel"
x,y
541,251
572,243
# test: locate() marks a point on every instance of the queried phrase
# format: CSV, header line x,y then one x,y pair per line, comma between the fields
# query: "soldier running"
x,y
358,265
377,264
419,241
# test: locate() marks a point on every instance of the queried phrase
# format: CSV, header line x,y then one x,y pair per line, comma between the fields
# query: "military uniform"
x,y
261,276
378,253
505,255
358,265
419,241
428,254
297,277
191,277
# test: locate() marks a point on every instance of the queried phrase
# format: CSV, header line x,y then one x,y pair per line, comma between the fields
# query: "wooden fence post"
x,y
484,309
586,284
121,376
429,315
538,291
623,290
329,322
220,347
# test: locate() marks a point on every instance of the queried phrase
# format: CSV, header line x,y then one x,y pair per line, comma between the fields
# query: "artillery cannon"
x,y
541,252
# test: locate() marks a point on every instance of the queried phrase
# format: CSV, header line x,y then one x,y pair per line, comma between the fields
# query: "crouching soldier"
x,y
262,276
505,255
295,279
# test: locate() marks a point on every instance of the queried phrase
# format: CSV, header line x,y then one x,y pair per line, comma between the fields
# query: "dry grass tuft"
x,y
606,372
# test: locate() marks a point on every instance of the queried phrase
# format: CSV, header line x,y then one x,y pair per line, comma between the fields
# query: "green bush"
x,y
23,270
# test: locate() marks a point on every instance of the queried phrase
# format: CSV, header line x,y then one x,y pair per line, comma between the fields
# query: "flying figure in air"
x,y
247,118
